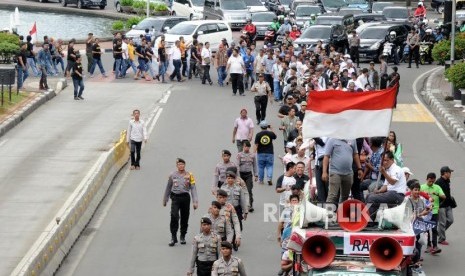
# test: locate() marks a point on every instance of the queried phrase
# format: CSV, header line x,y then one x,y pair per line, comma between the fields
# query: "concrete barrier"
x,y
49,250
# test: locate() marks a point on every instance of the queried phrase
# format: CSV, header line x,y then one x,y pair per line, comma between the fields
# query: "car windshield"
x,y
233,5
263,17
356,2
285,2
316,33
327,21
334,3
183,28
307,10
395,13
379,6
349,11
148,24
373,33
198,3
253,3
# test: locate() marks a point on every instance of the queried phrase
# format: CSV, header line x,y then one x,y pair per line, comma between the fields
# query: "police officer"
x,y
205,249
228,211
227,265
180,184
220,170
354,44
220,225
247,164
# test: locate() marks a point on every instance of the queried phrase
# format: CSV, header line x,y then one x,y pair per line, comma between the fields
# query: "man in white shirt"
x,y
136,134
175,55
207,59
394,187
125,65
236,69
284,185
362,80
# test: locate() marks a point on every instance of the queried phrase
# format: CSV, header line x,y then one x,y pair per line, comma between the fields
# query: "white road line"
x,y
154,121
415,95
165,98
152,115
3,142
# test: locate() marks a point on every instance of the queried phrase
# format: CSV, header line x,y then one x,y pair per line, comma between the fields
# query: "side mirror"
x,y
200,33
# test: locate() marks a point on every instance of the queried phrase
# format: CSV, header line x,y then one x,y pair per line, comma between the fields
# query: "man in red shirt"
x,y
420,11
250,29
295,33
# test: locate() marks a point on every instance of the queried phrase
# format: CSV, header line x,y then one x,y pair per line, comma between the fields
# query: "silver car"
x,y
262,20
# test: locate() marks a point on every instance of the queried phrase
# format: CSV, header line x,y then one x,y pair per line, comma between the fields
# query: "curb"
x,y
440,110
19,115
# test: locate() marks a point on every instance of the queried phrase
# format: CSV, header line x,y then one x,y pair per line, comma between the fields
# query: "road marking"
x,y
166,97
415,113
415,95
154,121
3,142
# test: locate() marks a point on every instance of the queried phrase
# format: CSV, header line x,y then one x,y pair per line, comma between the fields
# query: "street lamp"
x,y
148,8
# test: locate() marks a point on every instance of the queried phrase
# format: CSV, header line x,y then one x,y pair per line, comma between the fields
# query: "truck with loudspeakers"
x,y
326,242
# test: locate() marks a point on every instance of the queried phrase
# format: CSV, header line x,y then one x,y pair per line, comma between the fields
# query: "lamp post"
x,y
455,92
148,8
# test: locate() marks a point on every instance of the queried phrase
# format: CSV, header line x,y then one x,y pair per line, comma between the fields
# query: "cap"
x,y
230,174
303,103
216,204
226,152
232,169
227,245
290,145
446,169
263,124
180,160
221,192
205,220
261,75
347,56
407,170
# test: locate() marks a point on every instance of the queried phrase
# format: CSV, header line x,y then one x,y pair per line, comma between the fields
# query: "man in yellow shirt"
x,y
131,56
182,47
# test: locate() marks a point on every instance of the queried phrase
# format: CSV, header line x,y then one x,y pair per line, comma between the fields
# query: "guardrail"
x,y
49,250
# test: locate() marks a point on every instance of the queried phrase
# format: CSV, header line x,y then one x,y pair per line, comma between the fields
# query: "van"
x,y
345,20
192,9
212,31
234,12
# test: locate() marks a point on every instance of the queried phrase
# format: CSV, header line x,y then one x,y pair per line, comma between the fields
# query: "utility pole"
x,y
148,8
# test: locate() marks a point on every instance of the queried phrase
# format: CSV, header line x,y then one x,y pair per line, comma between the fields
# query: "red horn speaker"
x,y
352,215
318,251
386,253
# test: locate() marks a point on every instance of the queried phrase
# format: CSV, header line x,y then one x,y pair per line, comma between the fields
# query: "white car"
x,y
192,9
255,6
212,31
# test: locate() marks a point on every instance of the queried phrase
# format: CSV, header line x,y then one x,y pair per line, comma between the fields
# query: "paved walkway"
x,y
46,156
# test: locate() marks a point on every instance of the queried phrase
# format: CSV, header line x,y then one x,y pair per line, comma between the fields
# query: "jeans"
x,y
69,65
43,78
269,80
415,53
221,74
237,83
135,153
249,74
321,186
78,87
31,62
177,70
433,239
192,68
206,74
118,67
162,69
446,219
132,65
96,62
58,60
265,161
184,66
261,103
277,90
22,76
90,61
339,184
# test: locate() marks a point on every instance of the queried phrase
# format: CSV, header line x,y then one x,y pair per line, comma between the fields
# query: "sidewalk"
x,y
46,156
435,93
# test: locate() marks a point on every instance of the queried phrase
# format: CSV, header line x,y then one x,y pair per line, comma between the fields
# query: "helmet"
x,y
420,4
429,31
312,15
393,34
249,20
294,26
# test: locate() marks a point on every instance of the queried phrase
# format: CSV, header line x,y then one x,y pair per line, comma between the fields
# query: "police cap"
x,y
226,152
205,220
226,244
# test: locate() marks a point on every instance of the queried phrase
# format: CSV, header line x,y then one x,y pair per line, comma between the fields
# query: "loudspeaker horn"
x,y
352,215
396,216
386,253
309,213
318,251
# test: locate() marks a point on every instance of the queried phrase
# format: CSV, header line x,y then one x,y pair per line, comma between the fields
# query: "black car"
x,y
347,21
367,18
373,37
328,34
438,5
85,3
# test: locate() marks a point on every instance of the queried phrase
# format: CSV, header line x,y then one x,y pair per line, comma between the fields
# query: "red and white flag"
x,y
348,115
33,33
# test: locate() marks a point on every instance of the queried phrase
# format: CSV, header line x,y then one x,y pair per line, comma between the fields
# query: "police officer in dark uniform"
x,y
180,184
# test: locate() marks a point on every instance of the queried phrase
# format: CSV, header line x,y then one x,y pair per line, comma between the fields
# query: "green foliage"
x,y
152,6
160,7
441,51
8,50
10,38
117,25
127,3
133,21
456,74
139,5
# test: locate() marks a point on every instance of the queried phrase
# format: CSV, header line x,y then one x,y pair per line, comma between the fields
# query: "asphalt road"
x,y
129,235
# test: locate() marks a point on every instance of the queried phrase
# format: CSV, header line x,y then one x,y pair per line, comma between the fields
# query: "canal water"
x,y
64,26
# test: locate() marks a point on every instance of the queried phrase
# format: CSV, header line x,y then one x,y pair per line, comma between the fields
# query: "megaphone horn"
x,y
397,216
311,213
352,215
318,251
386,253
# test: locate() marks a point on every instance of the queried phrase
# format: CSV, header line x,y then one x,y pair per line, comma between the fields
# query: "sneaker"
x,y
81,98
435,251
270,183
251,209
76,98
444,242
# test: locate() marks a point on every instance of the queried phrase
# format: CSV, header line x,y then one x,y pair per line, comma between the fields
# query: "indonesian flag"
x,y
33,33
348,115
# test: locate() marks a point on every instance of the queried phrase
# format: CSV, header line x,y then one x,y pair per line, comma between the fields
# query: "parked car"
x,y
373,38
378,7
333,5
212,31
346,11
328,34
296,3
192,9
255,6
396,13
303,13
156,25
347,21
85,3
262,20
235,12
358,4
438,5
276,5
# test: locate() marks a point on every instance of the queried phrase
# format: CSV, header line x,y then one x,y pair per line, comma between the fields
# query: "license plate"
x,y
261,33
362,55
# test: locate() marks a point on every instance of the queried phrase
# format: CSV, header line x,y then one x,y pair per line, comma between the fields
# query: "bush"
x,y
127,3
161,7
8,50
133,21
139,5
10,38
455,74
441,51
117,25
152,6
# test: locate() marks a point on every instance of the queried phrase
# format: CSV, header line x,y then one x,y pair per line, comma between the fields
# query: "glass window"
x,y
306,11
373,33
317,33
197,3
233,5
212,28
149,23
222,27
183,28
263,17
203,28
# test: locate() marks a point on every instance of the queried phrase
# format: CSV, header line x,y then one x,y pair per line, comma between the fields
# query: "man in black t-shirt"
x,y
30,56
71,57
118,55
89,43
265,152
78,82
290,103
97,57
21,65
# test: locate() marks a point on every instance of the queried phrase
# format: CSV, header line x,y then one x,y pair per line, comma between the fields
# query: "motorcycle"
x,y
269,36
405,53
249,38
424,52
388,51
